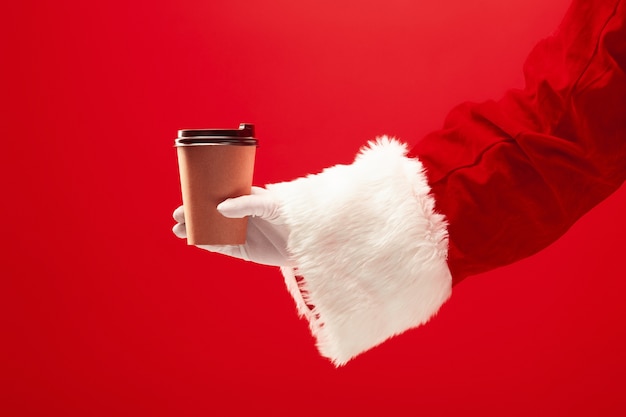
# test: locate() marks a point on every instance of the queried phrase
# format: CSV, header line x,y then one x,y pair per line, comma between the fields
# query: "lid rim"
x,y
215,141
245,130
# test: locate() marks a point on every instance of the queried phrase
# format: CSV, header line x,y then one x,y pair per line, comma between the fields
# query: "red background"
x,y
104,312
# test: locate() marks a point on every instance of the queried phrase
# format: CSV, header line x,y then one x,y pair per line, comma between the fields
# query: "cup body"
x,y
214,164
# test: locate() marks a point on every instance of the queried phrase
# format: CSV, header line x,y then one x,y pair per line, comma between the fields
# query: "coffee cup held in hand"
x,y
214,164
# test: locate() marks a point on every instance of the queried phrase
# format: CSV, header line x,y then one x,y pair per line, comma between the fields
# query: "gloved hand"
x,y
266,239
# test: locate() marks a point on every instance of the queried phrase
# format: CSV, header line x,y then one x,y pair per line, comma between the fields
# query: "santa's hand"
x,y
266,237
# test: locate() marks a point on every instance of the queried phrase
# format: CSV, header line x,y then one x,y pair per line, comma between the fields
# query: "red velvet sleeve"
x,y
511,176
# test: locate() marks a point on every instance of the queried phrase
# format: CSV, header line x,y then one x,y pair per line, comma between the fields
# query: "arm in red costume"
x,y
379,243
512,176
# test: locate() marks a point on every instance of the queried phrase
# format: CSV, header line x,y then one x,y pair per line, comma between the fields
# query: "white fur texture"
x,y
370,249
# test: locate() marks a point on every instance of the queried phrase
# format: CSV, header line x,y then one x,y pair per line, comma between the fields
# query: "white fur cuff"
x,y
370,249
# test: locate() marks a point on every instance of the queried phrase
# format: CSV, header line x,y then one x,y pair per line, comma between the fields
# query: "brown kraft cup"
x,y
214,164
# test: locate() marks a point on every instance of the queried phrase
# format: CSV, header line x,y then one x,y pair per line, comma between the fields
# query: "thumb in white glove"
x,y
266,237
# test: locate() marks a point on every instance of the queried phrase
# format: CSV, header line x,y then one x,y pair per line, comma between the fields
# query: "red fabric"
x,y
513,175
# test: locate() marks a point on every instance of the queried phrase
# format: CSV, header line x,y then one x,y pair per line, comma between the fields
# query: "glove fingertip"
x,y
180,230
227,208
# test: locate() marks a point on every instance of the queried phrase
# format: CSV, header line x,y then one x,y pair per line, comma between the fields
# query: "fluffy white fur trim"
x,y
370,249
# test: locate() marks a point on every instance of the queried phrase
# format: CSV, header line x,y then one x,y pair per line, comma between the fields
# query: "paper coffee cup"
x,y
214,164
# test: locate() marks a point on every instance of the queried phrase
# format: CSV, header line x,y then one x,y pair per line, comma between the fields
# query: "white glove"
x,y
266,238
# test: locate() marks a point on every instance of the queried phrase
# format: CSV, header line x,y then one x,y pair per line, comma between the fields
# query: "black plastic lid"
x,y
242,136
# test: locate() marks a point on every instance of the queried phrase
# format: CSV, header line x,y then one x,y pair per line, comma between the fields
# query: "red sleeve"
x,y
511,176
